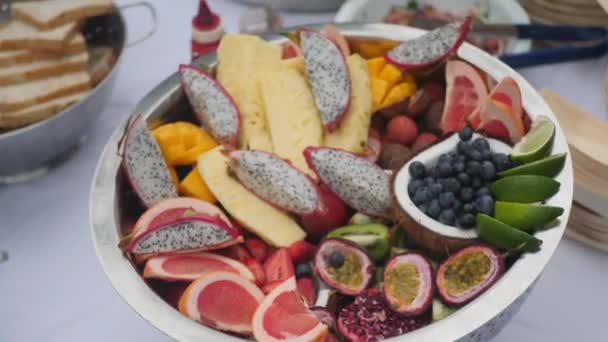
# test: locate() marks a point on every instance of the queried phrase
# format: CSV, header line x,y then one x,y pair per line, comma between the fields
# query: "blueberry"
x,y
466,221
481,144
428,180
446,200
447,216
483,191
473,154
423,207
461,158
336,260
466,194
485,205
468,208
464,179
445,158
445,169
463,147
421,196
476,182
303,270
473,168
501,161
457,206
486,155
452,185
465,134
433,209
436,189
413,186
459,166
434,172
488,171
417,169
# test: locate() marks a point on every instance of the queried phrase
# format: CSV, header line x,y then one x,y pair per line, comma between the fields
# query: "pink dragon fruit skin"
x,y
144,164
357,181
328,76
430,48
276,181
212,104
195,233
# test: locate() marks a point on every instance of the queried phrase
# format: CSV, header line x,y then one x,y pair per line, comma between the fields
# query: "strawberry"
x,y
302,251
306,287
257,269
257,248
279,266
237,252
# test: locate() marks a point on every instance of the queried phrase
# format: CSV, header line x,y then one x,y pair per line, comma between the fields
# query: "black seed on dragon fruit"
x,y
194,233
369,318
212,104
430,48
328,76
145,166
276,181
357,181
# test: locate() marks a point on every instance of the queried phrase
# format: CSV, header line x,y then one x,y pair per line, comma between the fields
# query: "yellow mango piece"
x,y
194,186
406,77
379,89
390,74
399,93
182,142
375,65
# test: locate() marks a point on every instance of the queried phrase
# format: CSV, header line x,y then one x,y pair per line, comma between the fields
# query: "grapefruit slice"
x,y
223,301
283,316
466,90
498,120
192,266
507,93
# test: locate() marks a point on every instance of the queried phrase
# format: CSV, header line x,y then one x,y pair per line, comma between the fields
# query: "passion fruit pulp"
x,y
468,273
343,266
408,283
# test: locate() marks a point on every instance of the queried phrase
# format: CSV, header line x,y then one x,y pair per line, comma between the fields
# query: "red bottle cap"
x,y
205,19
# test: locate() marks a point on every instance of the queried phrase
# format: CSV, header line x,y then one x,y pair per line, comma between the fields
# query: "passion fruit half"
x,y
468,273
408,284
344,266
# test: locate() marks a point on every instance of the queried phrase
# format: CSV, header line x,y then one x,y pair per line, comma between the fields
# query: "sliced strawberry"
x,y
236,252
302,251
257,248
257,269
279,266
306,287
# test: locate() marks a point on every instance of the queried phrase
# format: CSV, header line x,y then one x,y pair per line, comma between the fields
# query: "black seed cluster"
x,y
455,189
182,236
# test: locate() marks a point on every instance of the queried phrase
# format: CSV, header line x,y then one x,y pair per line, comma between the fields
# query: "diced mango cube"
x,y
390,74
375,65
399,93
407,77
194,186
182,142
379,89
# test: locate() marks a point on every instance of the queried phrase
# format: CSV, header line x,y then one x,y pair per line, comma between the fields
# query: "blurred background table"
x,y
53,289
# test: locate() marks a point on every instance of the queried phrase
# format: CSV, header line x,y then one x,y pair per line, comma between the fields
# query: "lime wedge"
x,y
524,188
504,236
550,167
528,217
537,143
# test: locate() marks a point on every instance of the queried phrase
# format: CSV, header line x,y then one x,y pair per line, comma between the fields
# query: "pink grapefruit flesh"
x,y
192,266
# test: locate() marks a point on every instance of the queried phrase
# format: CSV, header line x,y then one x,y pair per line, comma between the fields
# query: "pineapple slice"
x,y
296,63
269,223
353,131
293,118
242,60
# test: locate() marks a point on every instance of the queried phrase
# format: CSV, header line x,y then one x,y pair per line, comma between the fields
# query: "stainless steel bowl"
x,y
29,151
477,321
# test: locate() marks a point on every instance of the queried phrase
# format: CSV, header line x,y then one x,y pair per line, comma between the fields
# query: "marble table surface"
x,y
53,289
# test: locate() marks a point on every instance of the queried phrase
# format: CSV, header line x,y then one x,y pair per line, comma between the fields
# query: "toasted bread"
x,y
38,112
43,68
101,61
12,57
19,35
50,14
19,96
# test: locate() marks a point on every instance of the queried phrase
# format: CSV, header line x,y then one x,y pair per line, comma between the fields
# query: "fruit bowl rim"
x,y
129,284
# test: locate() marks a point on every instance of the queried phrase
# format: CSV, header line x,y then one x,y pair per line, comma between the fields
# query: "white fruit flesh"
x,y
269,223
292,116
242,60
352,133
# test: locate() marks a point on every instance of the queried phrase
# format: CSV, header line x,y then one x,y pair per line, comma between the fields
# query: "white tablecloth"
x,y
53,289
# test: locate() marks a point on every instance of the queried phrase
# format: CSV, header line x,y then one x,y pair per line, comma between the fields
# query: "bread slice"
x,y
11,57
19,35
38,112
101,61
43,68
18,96
50,14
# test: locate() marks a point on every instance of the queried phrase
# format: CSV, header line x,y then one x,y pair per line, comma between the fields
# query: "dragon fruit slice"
x,y
357,181
430,48
192,233
212,104
275,181
328,76
145,166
